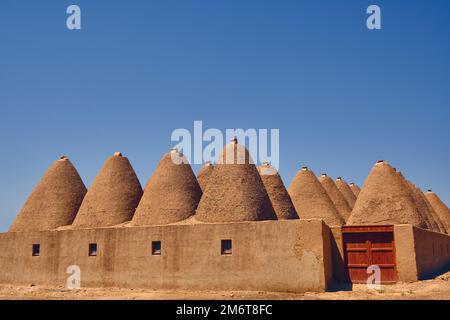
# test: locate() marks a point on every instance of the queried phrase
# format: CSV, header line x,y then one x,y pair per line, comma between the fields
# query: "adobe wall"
x,y
289,256
430,250
420,253
405,253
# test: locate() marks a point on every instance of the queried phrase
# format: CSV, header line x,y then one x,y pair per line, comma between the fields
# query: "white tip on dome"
x,y
379,162
117,154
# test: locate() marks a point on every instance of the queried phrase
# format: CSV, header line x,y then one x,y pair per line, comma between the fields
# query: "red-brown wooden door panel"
x,y
366,246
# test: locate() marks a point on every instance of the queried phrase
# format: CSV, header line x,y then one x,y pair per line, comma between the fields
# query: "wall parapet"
x,y
285,256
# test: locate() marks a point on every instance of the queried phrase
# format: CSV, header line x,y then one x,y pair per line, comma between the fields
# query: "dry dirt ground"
x,y
436,289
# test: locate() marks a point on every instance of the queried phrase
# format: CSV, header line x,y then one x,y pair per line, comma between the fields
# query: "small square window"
x,y
36,251
92,249
226,247
156,248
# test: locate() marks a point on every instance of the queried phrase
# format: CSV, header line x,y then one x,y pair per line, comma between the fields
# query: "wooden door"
x,y
366,246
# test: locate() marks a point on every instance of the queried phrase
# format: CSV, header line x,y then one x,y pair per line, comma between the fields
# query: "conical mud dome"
x,y
437,223
113,196
385,199
171,195
204,174
238,193
348,194
440,209
355,189
423,208
336,196
278,195
435,216
311,200
55,200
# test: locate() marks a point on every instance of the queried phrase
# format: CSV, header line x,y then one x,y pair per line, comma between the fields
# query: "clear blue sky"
x,y
341,95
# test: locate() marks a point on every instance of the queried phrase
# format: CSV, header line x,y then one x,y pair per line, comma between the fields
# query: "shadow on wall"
x,y
433,275
341,281
432,253
340,286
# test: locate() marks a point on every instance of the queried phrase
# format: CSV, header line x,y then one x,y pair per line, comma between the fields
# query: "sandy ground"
x,y
436,289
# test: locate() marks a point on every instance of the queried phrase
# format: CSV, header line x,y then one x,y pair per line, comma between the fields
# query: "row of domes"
x,y
232,190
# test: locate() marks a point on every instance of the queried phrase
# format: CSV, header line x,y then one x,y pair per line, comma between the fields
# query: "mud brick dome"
x,y
311,199
439,207
235,191
336,196
113,196
385,199
440,222
55,200
355,188
278,195
431,221
204,174
429,216
348,194
172,194
235,153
